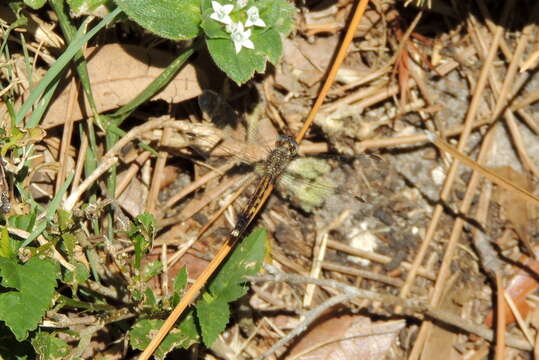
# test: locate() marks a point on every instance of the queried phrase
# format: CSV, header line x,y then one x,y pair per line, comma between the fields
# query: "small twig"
x,y
66,135
320,253
197,184
111,157
104,165
158,173
128,175
500,319
309,318
412,307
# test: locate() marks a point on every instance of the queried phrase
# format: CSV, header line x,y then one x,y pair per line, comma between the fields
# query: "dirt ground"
x,y
404,253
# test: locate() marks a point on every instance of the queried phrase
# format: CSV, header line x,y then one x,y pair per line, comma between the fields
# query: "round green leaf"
x,y
35,4
278,14
171,19
268,43
239,67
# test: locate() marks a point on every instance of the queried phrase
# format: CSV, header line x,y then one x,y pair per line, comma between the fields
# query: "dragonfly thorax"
x,y
278,159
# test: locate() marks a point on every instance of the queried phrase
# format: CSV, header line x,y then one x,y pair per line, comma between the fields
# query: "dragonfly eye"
x,y
288,142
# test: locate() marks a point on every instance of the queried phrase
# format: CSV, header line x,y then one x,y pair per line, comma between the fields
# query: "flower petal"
x,y
215,5
247,43
228,8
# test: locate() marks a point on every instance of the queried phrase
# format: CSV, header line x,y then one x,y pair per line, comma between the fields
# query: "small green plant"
x,y
241,36
211,313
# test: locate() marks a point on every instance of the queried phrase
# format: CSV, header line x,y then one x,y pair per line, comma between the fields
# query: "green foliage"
x,y
212,310
229,285
28,292
48,346
24,222
239,42
35,4
183,335
8,248
142,233
171,19
79,7
151,270
240,66
27,289
180,281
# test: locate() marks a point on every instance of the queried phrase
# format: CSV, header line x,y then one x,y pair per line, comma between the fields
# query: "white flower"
x,y
240,4
253,18
239,37
221,13
230,28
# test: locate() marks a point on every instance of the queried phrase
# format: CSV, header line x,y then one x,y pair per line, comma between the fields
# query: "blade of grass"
x,y
49,213
70,32
153,88
79,40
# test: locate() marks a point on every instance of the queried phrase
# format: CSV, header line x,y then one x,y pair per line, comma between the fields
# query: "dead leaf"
x,y
517,211
118,73
133,199
347,337
522,284
304,62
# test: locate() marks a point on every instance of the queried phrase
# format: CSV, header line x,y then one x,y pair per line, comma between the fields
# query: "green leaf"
x,y
228,285
79,275
212,317
23,222
268,43
148,224
85,6
278,14
239,67
35,4
245,260
7,247
65,220
142,234
151,270
49,347
171,19
180,280
34,284
213,29
150,297
184,335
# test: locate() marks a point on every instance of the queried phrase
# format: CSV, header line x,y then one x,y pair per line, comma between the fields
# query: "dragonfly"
x,y
303,178
286,149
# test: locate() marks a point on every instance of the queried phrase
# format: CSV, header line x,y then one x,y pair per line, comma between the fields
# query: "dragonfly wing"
x,y
307,182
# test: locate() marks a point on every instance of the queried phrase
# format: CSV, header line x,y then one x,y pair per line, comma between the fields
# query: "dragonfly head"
x,y
288,143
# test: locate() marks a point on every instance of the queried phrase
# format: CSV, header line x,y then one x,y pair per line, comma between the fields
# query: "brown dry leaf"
x,y
304,62
522,284
133,199
516,210
120,72
364,339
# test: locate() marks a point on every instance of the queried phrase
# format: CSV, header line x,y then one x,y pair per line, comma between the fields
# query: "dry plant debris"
x,y
404,261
